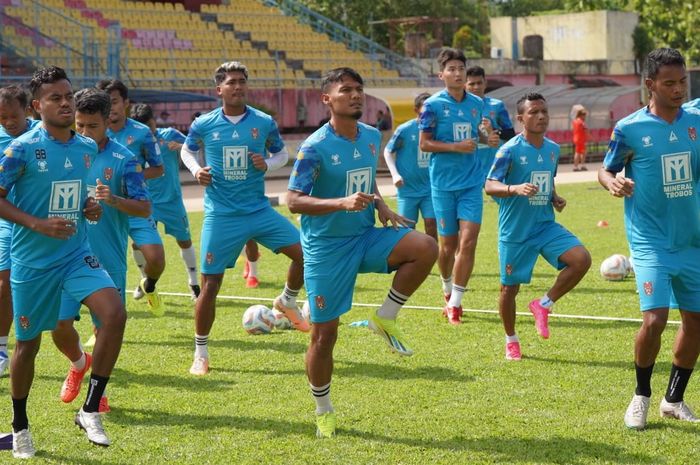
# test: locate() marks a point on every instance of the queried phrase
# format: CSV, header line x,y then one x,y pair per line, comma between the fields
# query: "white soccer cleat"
x,y
678,410
4,362
91,423
138,293
636,414
22,445
200,366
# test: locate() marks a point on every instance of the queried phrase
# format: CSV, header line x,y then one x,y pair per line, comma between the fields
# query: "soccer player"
x,y
658,148
13,123
147,247
115,178
522,179
166,191
494,110
333,187
409,172
449,129
236,138
250,269
580,134
47,167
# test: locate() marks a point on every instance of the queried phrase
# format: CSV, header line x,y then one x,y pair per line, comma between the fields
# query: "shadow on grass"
x,y
125,378
265,342
659,367
557,449
369,370
62,459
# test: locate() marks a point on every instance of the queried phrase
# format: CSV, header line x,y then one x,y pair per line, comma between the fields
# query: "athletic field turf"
x,y
456,401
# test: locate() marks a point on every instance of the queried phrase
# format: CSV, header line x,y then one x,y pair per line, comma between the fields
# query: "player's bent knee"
x,y
510,290
654,322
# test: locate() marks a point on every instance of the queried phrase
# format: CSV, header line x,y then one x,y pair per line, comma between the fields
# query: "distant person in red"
x,y
580,135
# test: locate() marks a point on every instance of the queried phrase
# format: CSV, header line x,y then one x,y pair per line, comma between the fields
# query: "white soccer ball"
x,y
615,268
281,321
258,319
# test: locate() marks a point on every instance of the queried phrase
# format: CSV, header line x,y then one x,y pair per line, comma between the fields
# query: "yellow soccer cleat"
x,y
325,425
155,304
392,335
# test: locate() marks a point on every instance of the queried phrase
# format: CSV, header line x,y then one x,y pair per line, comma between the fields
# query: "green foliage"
x,y
455,401
356,14
643,43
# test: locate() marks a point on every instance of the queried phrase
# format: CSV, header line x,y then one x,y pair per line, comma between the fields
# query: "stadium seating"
x,y
163,45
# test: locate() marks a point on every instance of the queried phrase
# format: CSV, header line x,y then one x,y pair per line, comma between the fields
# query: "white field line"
x,y
421,307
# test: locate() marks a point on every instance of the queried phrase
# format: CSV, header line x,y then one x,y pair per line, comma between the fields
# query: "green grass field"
x,y
456,401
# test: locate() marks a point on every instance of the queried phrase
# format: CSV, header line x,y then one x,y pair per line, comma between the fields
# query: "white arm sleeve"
x,y
189,158
277,160
391,164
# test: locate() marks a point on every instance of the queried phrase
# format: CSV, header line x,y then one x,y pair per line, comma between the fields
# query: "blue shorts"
x,y
223,237
5,243
36,293
453,206
668,279
410,206
517,259
70,308
330,277
174,217
144,231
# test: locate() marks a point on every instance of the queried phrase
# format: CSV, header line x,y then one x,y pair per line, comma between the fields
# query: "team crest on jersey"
x,y
320,302
86,160
24,322
648,288
509,269
254,133
107,173
129,140
492,114
210,258
373,149
692,133
474,113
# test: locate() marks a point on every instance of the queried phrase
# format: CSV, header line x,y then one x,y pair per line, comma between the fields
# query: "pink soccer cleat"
x,y
513,351
541,315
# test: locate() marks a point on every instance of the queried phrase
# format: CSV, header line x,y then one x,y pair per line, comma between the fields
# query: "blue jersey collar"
x,y
245,115
52,138
449,96
332,131
679,115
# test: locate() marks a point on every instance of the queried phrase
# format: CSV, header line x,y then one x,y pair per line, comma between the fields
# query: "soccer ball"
x,y
615,268
258,319
281,321
306,311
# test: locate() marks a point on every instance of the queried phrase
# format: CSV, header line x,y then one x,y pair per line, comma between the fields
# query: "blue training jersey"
x,y
663,160
518,162
118,168
237,187
411,162
692,104
496,112
49,178
139,140
451,121
166,188
5,140
330,166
